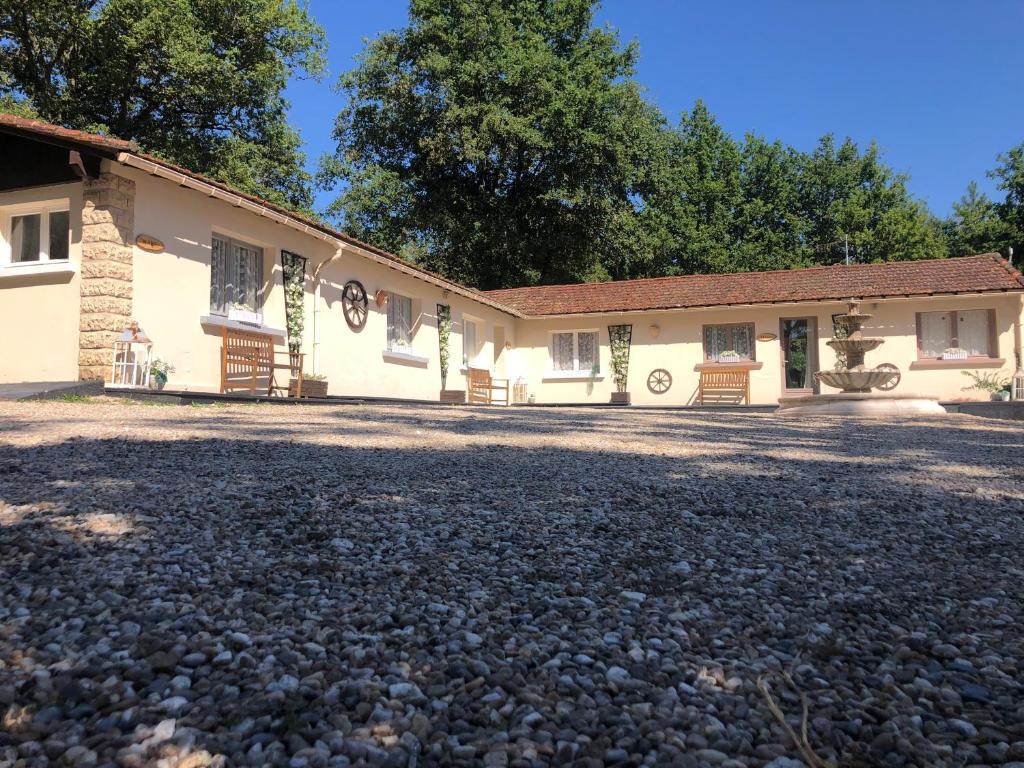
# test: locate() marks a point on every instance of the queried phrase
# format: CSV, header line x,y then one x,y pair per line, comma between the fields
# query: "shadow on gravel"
x,y
348,570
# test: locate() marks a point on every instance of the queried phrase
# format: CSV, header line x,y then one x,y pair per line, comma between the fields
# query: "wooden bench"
x,y
482,387
247,356
729,386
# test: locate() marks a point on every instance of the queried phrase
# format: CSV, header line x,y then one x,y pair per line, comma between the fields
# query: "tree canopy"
x,y
508,144
198,82
499,143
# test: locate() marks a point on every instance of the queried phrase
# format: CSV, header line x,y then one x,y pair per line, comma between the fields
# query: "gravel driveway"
x,y
386,585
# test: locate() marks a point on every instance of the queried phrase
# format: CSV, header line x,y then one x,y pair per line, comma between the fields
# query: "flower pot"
x,y
620,398
1001,396
244,315
310,388
157,382
453,395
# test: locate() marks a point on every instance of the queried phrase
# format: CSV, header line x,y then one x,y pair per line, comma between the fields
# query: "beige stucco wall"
x,y
172,294
171,291
355,362
39,313
678,348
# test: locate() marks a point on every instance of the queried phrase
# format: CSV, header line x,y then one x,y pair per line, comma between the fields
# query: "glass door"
x,y
799,337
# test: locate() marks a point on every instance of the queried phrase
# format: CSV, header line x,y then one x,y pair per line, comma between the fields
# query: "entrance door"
x,y
799,337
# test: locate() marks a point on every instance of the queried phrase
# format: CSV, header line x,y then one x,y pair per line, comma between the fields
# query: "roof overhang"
x,y
321,233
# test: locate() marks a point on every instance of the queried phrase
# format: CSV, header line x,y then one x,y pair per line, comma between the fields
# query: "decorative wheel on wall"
x,y
353,304
659,381
895,380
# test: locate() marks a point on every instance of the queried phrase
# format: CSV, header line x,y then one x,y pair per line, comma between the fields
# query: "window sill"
x,y
26,268
745,365
572,376
397,356
969,362
219,321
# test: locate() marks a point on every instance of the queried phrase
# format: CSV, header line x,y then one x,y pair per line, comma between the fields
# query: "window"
x,y
722,340
236,275
956,334
399,322
470,343
38,234
575,351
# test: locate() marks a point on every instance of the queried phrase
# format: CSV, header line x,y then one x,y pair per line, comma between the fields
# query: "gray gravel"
x,y
308,586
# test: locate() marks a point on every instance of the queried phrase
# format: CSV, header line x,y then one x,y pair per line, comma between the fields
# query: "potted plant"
x,y
444,332
954,353
158,373
729,356
619,338
997,386
313,385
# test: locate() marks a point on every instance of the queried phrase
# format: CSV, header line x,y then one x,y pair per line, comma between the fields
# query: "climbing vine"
x,y
620,337
294,268
444,330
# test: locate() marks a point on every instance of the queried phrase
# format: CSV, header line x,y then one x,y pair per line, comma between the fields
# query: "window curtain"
x,y
399,321
935,337
715,341
218,275
587,350
247,277
25,237
469,348
743,341
561,351
973,332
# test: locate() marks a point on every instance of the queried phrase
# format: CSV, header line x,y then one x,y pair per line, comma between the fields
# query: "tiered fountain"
x,y
856,381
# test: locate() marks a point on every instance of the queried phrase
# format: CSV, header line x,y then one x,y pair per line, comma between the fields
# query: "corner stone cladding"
x,y
108,231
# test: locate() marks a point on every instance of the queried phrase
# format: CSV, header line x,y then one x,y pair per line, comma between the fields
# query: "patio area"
x,y
378,584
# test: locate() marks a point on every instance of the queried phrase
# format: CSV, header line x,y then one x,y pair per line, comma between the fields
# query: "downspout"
x,y
1018,374
316,309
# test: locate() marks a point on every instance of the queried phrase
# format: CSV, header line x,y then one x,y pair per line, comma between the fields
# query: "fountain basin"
x,y
863,404
856,381
854,345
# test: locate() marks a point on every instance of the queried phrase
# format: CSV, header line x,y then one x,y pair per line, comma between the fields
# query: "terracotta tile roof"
x,y
968,274
112,147
106,145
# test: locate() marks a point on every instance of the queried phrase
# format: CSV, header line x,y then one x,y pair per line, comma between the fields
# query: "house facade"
x,y
94,235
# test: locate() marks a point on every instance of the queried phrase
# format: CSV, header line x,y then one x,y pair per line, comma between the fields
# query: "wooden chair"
x,y
482,387
729,386
246,356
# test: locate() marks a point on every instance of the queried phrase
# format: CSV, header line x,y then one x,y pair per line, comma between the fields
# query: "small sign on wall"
x,y
149,243
766,336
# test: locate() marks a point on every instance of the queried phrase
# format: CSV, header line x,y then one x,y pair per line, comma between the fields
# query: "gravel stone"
x,y
371,584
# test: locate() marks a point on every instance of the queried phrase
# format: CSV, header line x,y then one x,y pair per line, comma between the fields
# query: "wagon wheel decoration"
x,y
895,380
659,381
353,304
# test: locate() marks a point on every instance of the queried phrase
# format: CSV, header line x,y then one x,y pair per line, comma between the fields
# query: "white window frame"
x,y
471,360
575,373
42,208
228,311
393,298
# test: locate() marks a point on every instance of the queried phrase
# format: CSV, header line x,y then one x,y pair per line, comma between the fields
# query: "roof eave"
x,y
335,239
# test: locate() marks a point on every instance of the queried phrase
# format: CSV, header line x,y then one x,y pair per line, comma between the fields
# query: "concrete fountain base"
x,y
871,404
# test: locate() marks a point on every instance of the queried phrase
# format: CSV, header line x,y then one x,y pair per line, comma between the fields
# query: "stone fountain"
x,y
856,381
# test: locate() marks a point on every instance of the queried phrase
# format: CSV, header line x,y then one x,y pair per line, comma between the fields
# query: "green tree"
x,y
1009,176
499,144
703,193
198,82
768,229
975,225
845,194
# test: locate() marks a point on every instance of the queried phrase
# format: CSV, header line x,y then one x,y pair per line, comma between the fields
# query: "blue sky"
x,y
938,84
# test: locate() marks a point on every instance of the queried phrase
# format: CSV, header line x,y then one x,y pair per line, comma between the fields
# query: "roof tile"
x,y
968,274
